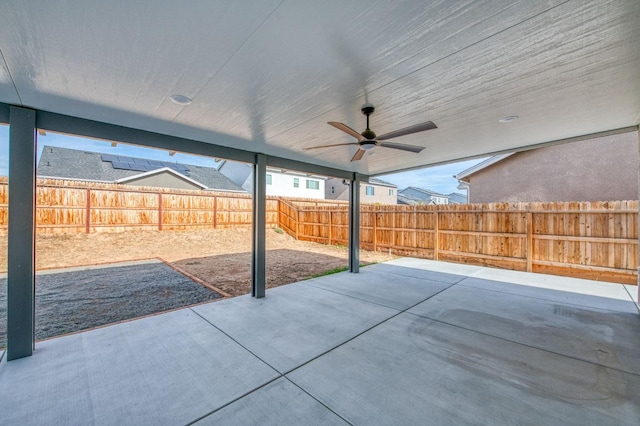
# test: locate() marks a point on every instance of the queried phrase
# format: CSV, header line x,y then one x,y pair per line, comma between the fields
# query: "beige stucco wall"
x,y
598,169
163,180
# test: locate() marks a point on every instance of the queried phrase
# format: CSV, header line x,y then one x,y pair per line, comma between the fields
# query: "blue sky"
x,y
439,178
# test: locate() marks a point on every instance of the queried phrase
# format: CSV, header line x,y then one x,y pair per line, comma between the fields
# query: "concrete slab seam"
x,y
235,341
548,300
316,399
235,400
425,279
353,297
365,331
631,297
279,375
524,344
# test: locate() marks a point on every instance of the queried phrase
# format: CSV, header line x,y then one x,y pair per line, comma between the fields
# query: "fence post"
x,y
393,230
529,241
436,235
330,233
297,222
88,213
159,211
215,211
375,231
415,228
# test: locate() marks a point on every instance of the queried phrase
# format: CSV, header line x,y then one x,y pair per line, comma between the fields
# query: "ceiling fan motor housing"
x,y
367,109
368,134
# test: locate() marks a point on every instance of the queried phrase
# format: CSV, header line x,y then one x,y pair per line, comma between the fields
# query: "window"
x,y
296,182
268,179
333,189
370,190
313,184
391,192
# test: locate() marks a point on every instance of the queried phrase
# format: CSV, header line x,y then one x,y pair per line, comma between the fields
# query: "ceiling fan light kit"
x,y
368,140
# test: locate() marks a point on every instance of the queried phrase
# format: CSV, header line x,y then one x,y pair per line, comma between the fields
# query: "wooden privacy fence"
x,y
68,207
595,240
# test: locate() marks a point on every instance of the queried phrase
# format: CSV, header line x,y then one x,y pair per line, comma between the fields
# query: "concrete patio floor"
x,y
405,342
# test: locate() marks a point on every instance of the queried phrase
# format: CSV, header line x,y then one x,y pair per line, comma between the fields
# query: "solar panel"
x,y
142,164
120,165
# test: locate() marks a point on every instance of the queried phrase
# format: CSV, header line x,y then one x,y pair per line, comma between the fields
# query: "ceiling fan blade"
x,y
409,130
401,146
329,146
358,155
346,129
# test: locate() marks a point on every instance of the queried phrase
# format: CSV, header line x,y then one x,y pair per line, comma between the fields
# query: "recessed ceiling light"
x,y
181,99
508,119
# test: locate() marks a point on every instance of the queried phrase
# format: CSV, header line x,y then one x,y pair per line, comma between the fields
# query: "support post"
x,y
638,282
354,224
529,242
258,279
21,238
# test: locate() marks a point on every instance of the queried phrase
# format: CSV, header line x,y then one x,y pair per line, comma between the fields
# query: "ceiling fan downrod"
x,y
367,109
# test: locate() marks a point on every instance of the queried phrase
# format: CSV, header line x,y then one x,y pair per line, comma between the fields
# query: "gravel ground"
x,y
85,298
231,273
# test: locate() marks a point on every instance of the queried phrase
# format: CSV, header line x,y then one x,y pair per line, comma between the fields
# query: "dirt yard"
x,y
219,257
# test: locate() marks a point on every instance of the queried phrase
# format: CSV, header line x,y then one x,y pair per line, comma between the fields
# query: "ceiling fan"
x,y
368,139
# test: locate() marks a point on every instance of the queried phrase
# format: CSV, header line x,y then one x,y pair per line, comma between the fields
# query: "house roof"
x,y
456,198
376,181
409,200
424,194
482,165
160,171
68,163
267,76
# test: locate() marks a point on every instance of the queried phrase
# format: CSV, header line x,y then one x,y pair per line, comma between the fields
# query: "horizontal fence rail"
x,y
596,240
69,206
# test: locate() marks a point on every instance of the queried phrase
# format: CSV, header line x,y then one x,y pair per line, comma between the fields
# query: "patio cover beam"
x,y
20,256
4,113
111,132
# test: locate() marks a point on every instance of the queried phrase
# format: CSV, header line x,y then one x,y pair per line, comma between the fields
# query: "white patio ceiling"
x,y
266,76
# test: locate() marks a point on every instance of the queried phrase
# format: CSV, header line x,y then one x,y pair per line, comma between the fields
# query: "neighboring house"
x,y
376,191
279,182
65,163
413,195
457,198
598,169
